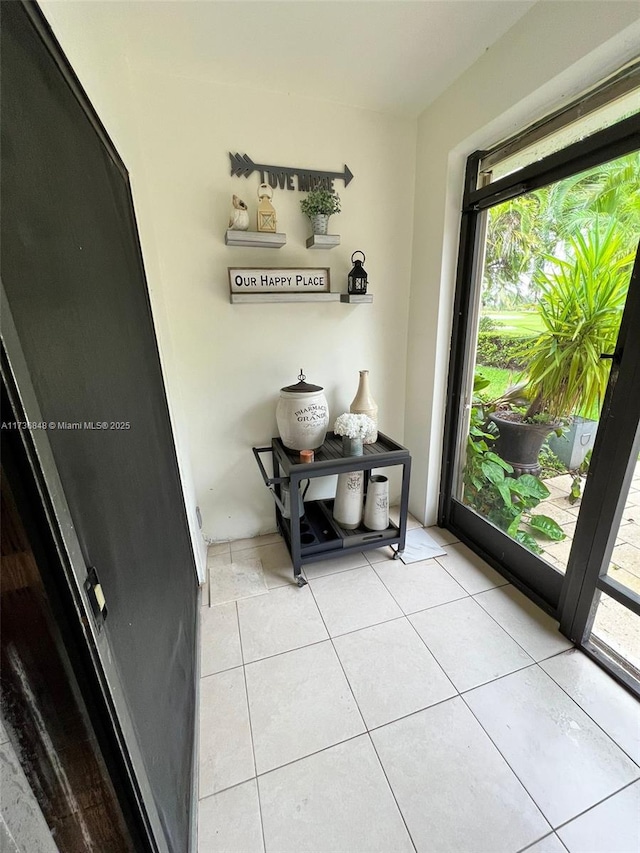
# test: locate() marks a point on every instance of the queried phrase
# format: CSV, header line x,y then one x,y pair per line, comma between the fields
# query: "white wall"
x,y
551,54
224,364
233,359
93,40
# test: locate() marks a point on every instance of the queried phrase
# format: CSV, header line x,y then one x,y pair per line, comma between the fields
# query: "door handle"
x,y
93,588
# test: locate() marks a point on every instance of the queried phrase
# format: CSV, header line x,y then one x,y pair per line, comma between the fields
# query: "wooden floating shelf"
x,y
285,297
323,241
261,239
356,298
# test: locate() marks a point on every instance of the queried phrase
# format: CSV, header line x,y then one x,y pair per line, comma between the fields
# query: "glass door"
x,y
544,277
600,602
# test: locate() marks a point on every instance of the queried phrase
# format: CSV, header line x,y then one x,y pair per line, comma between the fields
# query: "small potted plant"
x,y
319,205
353,429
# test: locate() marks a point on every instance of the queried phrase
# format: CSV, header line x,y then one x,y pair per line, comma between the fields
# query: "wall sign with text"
x,y
283,176
279,280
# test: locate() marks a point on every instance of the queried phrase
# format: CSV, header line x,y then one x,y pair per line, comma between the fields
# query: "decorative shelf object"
x,y
323,241
356,297
285,297
261,239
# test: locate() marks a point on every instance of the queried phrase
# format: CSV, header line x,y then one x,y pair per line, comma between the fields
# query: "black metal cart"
x,y
316,535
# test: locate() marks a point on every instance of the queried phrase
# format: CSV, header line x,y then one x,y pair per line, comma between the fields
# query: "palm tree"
x,y
611,190
522,231
581,305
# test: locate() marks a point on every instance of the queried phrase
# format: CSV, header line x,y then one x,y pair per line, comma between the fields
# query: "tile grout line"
x,y
599,803
499,677
367,732
584,710
309,755
366,565
502,628
511,635
435,657
549,835
253,748
498,586
335,651
444,672
504,758
393,793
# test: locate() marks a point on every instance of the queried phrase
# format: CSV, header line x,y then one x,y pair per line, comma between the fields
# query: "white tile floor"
x,y
393,708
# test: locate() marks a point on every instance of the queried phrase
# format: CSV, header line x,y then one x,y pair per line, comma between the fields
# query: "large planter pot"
x,y
572,446
519,444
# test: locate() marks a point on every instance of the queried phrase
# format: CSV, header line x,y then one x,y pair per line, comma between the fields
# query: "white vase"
x,y
364,404
376,510
347,507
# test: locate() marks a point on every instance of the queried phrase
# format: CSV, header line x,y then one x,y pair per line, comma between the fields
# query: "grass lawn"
x,y
516,322
499,381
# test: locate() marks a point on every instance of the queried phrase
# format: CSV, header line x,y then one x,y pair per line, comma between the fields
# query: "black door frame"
x,y
514,562
122,738
27,449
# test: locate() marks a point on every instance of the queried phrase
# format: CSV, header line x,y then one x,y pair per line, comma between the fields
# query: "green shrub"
x,y
488,324
320,202
496,350
549,463
507,501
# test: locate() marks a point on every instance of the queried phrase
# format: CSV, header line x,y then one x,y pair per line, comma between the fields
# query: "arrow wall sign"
x,y
282,176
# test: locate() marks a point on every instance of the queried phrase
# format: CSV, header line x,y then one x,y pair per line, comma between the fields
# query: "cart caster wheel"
x,y
396,555
301,581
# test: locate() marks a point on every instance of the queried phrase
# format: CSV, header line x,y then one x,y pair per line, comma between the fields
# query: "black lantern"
x,y
357,280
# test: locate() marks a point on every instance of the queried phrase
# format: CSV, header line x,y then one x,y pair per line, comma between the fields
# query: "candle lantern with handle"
x,y
357,278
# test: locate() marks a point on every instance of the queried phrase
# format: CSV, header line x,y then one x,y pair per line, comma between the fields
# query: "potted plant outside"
x,y
319,205
493,489
581,303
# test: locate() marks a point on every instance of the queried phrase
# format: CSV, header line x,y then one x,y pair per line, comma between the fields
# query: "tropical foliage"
x,y
581,302
522,231
491,490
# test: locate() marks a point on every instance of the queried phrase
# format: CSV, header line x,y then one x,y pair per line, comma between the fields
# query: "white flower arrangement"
x,y
354,426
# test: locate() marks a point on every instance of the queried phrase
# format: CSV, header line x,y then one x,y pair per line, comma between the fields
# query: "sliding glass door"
x,y
542,353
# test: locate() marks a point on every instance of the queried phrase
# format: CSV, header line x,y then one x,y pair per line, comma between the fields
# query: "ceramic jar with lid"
x,y
302,415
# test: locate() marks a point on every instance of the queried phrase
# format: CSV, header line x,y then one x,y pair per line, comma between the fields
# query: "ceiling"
x,y
386,55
